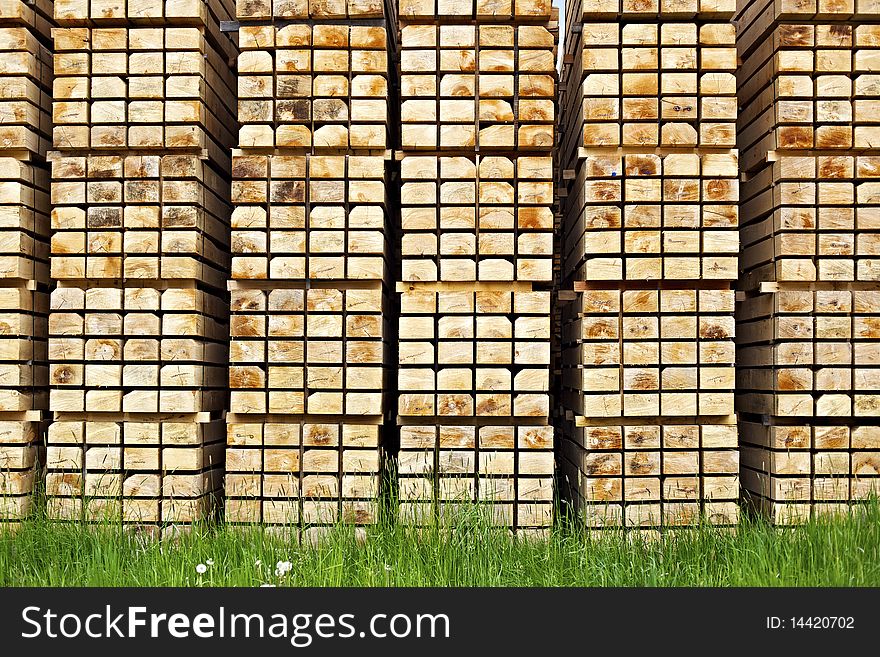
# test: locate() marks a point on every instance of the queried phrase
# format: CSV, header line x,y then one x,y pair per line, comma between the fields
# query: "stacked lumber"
x,y
310,260
807,325
25,110
481,88
478,85
138,328
648,180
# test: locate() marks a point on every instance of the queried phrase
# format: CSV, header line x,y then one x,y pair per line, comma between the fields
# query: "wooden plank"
x,y
477,87
314,88
301,472
485,218
143,472
507,470
25,81
654,475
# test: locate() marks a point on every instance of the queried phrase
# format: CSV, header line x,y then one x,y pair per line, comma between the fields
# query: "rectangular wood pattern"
x,y
25,130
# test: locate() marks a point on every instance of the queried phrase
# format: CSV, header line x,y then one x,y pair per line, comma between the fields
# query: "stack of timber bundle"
x,y
648,179
808,340
138,322
25,110
478,85
311,244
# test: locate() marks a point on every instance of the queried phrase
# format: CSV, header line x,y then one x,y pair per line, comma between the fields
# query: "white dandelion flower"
x,y
201,569
282,568
210,562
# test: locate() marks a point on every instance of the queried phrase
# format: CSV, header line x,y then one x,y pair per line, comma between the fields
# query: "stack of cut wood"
x,y
649,253
809,322
478,85
25,85
138,324
310,250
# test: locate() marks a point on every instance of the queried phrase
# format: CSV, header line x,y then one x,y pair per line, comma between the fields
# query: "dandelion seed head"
x,y
210,562
201,569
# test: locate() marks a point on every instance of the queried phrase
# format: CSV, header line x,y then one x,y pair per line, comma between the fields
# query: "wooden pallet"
x,y
607,94
316,351
145,472
265,10
810,353
144,88
315,217
453,11
153,12
136,350
637,353
810,218
793,472
143,216
756,19
137,378
809,87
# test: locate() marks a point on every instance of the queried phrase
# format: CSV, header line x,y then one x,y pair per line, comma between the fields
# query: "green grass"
x,y
840,552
